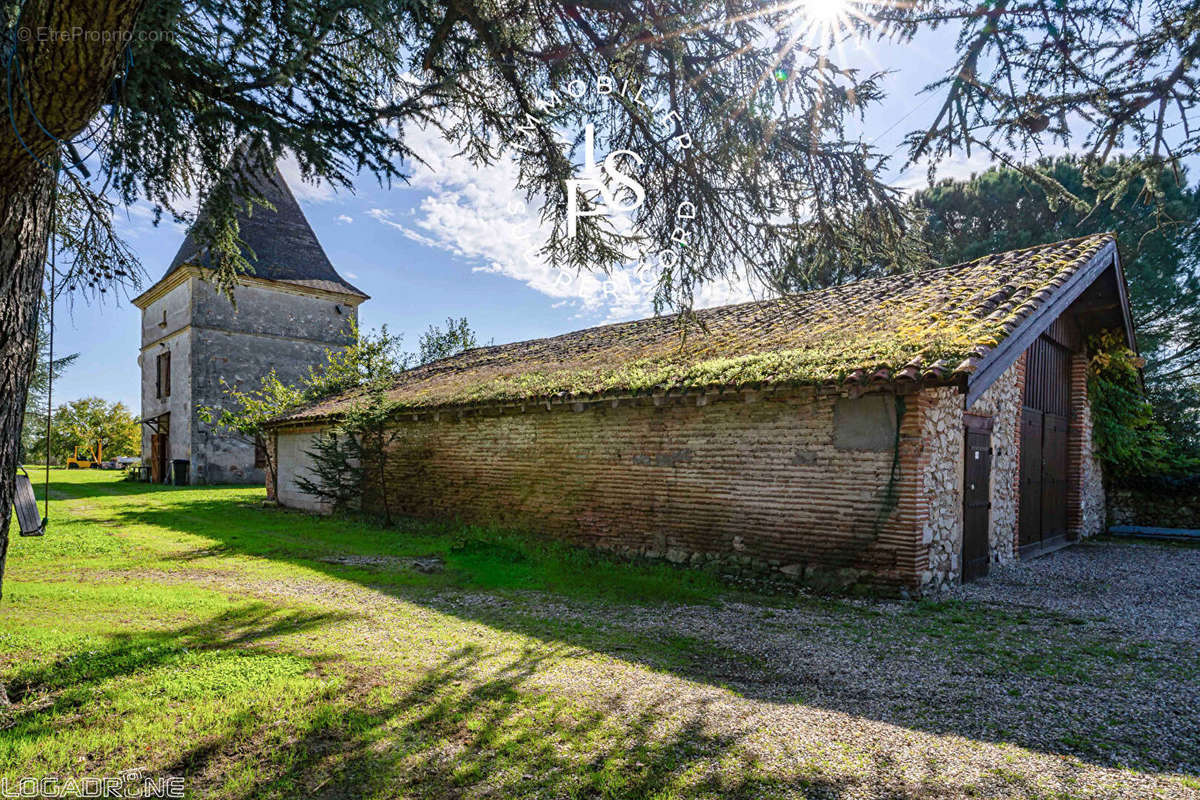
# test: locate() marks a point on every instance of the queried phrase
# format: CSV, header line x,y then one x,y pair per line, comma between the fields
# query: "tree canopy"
x,y
1094,78
740,117
437,343
1002,209
742,132
89,421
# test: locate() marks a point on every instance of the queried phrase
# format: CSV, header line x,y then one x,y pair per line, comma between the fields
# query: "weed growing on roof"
x,y
946,318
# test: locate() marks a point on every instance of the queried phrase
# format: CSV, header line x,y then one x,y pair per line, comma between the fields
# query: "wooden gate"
x,y
976,493
1045,429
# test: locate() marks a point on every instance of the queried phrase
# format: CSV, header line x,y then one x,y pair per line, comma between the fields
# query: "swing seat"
x,y
30,520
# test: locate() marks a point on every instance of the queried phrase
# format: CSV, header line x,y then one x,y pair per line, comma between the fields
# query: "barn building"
x,y
195,341
901,432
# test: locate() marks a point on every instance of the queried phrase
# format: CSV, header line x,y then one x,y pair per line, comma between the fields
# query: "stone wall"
x,y
277,310
761,482
276,327
942,434
1085,494
165,329
238,360
1155,507
1002,402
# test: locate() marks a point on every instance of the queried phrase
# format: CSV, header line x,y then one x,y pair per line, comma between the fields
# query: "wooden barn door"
x,y
1045,429
976,498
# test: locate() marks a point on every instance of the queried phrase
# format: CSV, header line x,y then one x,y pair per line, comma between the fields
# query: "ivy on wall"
x,y
1130,441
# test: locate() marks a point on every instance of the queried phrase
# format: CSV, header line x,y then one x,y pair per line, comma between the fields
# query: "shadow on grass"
x,y
452,734
1028,677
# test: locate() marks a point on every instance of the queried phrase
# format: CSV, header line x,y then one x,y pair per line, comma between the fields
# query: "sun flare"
x,y
824,12
827,24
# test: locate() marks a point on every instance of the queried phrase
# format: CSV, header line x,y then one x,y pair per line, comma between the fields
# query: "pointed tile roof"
x,y
933,327
282,245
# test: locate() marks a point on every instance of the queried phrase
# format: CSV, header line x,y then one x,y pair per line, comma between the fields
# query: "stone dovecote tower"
x,y
292,309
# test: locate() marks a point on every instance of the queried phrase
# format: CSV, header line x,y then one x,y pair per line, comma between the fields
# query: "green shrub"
x,y
1129,439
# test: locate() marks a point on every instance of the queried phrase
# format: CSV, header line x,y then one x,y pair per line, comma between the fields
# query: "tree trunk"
x,y
66,57
24,225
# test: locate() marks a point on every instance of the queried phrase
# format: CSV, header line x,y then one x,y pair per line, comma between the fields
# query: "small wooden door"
x,y
1054,477
158,450
976,503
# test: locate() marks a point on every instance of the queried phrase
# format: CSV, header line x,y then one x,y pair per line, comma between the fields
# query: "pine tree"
x,y
334,474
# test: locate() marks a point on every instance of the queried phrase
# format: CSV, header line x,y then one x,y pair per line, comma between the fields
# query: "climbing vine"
x,y
1130,441
891,493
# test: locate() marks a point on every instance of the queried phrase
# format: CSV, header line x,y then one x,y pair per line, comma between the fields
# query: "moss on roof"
x,y
934,326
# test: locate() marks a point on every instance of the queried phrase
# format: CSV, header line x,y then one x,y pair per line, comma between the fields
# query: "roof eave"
x,y
180,274
1005,354
827,388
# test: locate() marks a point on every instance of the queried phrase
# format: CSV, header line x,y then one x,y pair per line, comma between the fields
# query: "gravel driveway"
x,y
1147,591
1075,675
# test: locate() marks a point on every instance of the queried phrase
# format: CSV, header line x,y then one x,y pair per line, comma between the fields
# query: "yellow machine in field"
x,y
91,459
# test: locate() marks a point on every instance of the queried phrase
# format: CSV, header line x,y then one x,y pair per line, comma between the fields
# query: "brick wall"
x,y
765,481
753,479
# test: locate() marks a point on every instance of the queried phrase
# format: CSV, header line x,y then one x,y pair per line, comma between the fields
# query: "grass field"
x,y
258,652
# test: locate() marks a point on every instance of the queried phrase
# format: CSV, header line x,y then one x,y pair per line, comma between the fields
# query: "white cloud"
x,y
137,220
351,275
962,167
344,219
305,191
476,213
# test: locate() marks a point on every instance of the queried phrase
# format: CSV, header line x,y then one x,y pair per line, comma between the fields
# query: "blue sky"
x,y
446,246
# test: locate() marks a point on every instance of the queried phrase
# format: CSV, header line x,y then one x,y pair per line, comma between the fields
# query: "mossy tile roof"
x,y
931,326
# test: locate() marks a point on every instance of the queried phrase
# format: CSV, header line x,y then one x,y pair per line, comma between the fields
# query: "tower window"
x,y
162,375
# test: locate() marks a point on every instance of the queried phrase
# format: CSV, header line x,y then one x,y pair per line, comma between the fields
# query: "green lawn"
x,y
259,652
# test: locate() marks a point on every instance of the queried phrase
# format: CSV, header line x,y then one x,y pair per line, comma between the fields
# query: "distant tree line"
x,y
82,423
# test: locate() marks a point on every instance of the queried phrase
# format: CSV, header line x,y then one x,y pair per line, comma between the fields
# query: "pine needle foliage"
x,y
334,474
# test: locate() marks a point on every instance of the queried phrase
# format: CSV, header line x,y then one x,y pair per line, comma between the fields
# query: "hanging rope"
x,y
50,354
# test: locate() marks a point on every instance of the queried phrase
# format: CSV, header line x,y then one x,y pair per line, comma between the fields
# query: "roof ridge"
x,y
929,327
812,293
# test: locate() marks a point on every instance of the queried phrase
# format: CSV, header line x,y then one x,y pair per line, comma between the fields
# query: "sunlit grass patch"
x,y
261,652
